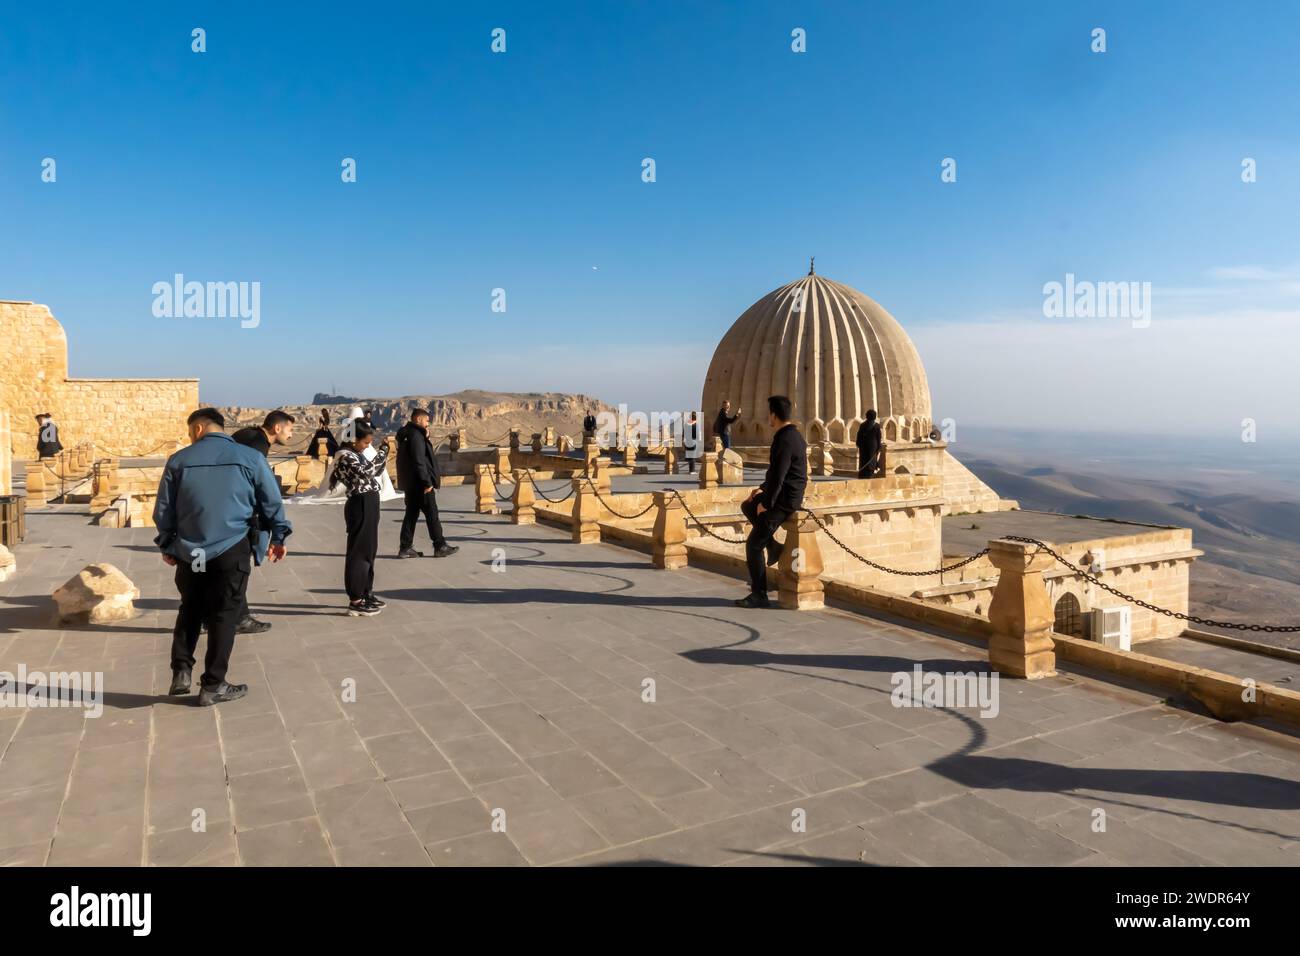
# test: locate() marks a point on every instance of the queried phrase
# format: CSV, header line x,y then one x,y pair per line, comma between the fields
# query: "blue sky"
x,y
522,171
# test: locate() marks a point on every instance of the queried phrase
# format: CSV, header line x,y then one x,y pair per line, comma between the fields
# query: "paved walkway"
x,y
512,700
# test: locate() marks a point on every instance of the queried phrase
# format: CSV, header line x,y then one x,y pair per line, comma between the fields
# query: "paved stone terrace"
x,y
521,691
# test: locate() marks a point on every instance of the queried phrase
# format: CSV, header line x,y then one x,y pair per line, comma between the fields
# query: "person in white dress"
x,y
323,493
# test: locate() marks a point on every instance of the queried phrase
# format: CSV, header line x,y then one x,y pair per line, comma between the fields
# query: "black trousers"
x,y
868,467
760,545
361,514
213,595
417,503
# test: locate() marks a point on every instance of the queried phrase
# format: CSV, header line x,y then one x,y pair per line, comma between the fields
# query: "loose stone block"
x,y
98,594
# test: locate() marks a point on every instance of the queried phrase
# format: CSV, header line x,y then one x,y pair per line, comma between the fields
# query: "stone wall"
x,y
131,416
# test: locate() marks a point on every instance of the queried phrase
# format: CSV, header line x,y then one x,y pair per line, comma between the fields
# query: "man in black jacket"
x,y
417,473
722,424
47,438
776,499
868,442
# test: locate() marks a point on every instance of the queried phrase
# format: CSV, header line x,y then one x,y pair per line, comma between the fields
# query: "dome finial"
x,y
811,262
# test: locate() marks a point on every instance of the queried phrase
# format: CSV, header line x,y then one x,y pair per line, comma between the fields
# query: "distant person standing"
x,y
722,424
360,476
208,498
868,442
417,473
776,499
331,443
691,441
589,426
47,436
276,429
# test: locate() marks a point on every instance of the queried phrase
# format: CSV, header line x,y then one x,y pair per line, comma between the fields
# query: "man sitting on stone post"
x,y
775,500
207,499
868,441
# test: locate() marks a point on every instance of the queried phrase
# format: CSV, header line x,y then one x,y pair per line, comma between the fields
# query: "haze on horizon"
x,y
479,171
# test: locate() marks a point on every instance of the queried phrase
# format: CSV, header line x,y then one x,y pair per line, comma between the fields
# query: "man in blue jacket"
x,y
207,500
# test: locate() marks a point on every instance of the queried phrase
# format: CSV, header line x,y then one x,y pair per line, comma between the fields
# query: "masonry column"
x,y
524,500
800,568
669,549
1021,612
709,470
586,513
485,502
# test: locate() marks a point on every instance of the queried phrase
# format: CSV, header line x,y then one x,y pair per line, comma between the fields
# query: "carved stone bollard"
x,y
670,460
502,465
548,436
564,444
36,486
799,573
303,480
629,452
586,513
590,453
708,470
524,500
514,439
669,550
1021,612
822,462
537,443
485,502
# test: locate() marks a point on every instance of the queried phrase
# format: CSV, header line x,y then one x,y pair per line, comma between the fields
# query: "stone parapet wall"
x,y
125,417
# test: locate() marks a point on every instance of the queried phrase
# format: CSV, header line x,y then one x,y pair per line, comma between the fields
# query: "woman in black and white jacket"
x,y
361,514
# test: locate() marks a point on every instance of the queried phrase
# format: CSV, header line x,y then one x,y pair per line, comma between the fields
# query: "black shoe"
x,y
774,553
362,608
375,602
754,600
221,693
446,551
410,553
181,680
251,625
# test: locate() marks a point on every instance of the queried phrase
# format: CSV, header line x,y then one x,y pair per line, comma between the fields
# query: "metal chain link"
x,y
544,495
1190,618
617,514
880,567
702,526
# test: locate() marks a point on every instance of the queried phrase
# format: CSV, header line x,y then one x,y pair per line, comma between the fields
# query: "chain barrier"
x,y
544,495
1190,618
880,567
702,526
618,514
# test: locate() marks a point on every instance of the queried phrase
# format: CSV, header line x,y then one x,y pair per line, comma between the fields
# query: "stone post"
x,y
822,462
629,452
708,470
586,513
1021,612
564,444
485,502
322,449
799,572
537,443
548,436
514,439
36,485
670,460
502,465
303,478
590,452
524,500
669,550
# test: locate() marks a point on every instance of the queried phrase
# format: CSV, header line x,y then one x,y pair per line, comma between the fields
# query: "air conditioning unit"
x,y
1113,627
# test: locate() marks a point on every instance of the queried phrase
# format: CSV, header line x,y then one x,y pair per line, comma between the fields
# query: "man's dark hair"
x,y
277,417
780,406
207,415
871,414
419,413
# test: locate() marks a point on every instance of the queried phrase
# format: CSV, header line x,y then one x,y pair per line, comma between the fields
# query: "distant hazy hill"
x,y
487,416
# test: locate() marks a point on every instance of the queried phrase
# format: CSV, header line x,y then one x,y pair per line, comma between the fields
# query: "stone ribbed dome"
x,y
839,356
